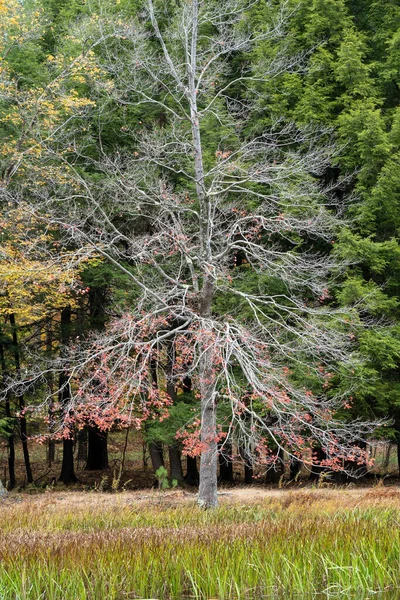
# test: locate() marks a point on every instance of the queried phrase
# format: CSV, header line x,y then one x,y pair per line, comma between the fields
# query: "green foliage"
x,y
7,425
383,346
163,481
351,69
351,83
367,295
181,414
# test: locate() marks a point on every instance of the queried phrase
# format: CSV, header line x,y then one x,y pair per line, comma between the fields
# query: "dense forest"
x,y
199,225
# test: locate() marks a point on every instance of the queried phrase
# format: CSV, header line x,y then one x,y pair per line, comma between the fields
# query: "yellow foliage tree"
x,y
36,280
18,23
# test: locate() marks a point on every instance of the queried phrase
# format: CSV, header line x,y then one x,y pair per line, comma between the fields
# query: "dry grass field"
x,y
258,544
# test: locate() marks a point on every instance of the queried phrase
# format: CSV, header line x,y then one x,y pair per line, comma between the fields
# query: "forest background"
x,y
343,80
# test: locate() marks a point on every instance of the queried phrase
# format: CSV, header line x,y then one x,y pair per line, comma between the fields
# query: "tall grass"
x,y
295,546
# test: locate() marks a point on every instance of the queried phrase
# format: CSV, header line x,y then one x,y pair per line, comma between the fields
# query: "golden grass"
x,y
276,544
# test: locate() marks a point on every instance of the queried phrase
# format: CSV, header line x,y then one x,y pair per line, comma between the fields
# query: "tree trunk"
x,y
248,473
396,427
155,447
22,418
209,457
386,460
51,448
351,471
175,460
248,467
209,436
225,463
11,462
67,474
97,304
295,466
51,452
156,455
11,445
97,450
192,473
123,457
277,470
82,439
398,456
317,469
175,463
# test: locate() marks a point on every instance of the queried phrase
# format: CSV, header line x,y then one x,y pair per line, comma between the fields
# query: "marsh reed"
x,y
294,545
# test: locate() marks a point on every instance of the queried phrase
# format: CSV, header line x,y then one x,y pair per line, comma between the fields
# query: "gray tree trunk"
x,y
209,457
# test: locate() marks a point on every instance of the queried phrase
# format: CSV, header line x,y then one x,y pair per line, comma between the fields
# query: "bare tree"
x,y
200,217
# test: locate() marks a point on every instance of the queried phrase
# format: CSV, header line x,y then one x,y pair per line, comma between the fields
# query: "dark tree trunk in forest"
x,y
82,440
248,473
386,460
398,456
67,474
351,471
175,463
248,468
396,427
295,466
276,471
97,449
22,418
97,459
156,455
155,447
192,472
10,439
51,448
123,458
174,452
51,452
11,453
225,463
316,469
97,303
